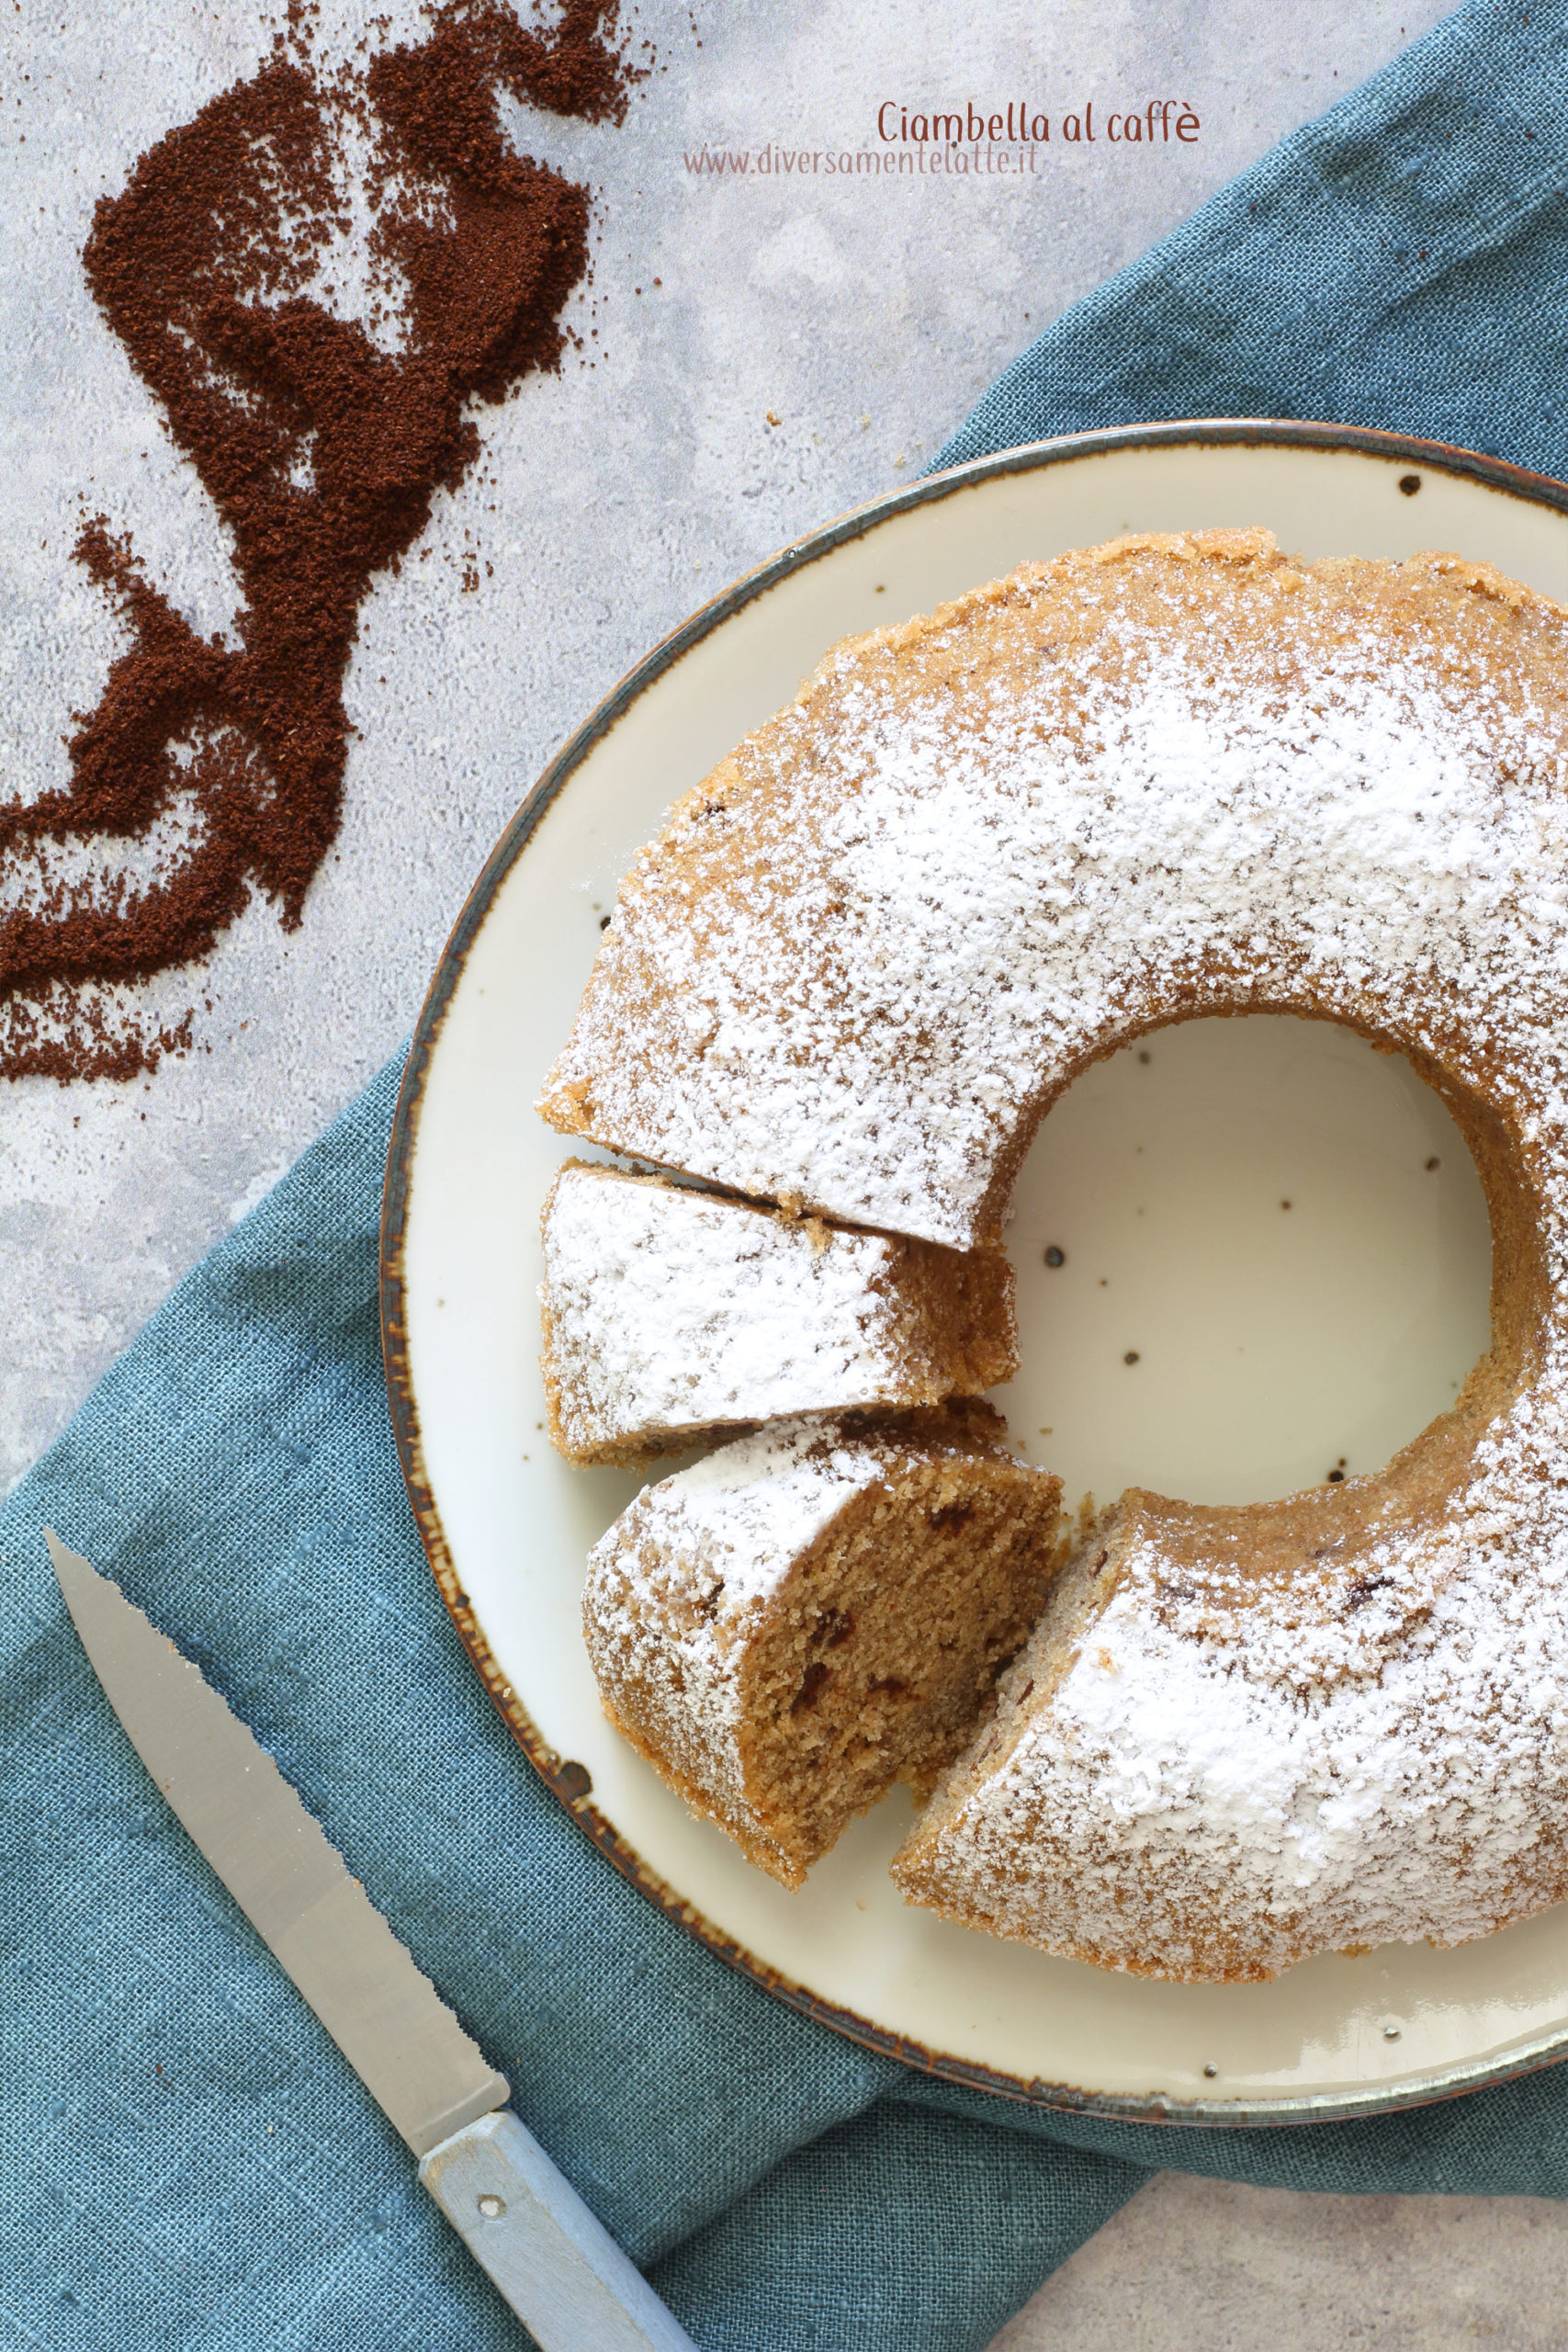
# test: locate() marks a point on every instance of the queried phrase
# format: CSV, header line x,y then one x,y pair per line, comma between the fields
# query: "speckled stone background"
x,y
612,499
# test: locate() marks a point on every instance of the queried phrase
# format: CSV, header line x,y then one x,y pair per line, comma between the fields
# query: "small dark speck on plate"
x,y
1409,484
603,922
1284,1205
1054,1257
1145,1058
1336,1477
1433,1163
1131,1356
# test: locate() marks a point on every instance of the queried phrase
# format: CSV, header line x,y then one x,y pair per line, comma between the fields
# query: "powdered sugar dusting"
x,y
1325,1771
670,1311
977,887
745,1511
1175,778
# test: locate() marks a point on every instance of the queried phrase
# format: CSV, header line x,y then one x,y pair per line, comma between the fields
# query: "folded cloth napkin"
x,y
190,2165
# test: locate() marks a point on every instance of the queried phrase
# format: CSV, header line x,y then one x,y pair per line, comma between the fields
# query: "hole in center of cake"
x,y
1253,1256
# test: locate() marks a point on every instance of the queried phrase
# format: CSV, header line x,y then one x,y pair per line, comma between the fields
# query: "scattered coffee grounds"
x,y
319,440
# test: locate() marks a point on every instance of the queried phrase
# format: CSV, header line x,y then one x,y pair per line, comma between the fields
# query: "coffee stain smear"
x,y
212,769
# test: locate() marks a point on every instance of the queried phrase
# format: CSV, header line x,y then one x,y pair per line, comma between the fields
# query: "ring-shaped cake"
x,y
1173,776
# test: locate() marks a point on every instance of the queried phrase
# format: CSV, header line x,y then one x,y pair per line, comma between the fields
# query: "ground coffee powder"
x,y
319,439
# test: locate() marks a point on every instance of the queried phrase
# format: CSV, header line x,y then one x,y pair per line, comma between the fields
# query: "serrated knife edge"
x,y
276,1861
520,2218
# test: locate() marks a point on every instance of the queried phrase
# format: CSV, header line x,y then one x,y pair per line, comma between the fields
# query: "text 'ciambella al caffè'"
x,y
1158,123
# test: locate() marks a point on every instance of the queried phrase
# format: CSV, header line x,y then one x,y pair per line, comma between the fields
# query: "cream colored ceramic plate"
x,y
507,1524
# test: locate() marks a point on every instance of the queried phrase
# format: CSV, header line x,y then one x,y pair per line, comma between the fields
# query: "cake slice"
x,y
669,1316
816,1611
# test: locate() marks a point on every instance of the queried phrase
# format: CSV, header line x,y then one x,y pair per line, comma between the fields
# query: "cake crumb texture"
x,y
816,1611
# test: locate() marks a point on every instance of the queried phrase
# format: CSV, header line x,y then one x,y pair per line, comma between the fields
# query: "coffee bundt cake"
x,y
1172,776
814,1613
669,1316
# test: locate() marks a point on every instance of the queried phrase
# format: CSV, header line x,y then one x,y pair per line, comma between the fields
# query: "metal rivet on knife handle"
x,y
555,2262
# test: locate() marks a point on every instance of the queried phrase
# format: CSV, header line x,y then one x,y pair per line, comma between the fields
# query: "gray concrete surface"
x,y
1193,2264
612,500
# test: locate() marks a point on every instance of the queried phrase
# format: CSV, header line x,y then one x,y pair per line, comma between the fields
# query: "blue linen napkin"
x,y
191,2168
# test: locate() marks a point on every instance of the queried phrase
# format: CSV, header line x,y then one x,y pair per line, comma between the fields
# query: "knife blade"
x,y
551,2257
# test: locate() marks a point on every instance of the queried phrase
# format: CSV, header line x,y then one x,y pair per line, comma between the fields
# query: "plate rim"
x,y
568,1782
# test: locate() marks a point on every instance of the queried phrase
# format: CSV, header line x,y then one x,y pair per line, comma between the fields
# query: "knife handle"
x,y
555,2262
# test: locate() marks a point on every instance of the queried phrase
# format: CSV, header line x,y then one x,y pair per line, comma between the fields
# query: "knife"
x,y
553,2261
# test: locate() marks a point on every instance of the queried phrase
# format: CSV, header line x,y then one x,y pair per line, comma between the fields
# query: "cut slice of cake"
x,y
816,1611
669,1316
